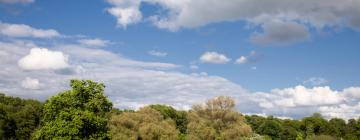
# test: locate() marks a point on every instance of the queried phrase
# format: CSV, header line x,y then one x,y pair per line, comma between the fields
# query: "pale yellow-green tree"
x,y
145,124
217,120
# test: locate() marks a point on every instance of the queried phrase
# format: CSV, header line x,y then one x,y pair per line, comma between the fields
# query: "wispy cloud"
x,y
22,30
157,53
94,42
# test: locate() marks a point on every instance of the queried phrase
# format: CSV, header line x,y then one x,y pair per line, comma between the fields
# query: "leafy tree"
x,y
255,121
217,120
337,127
178,116
351,130
79,113
290,129
145,124
299,137
314,125
271,128
18,117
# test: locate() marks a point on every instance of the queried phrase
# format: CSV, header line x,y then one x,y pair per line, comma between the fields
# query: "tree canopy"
x,y
78,113
217,119
145,124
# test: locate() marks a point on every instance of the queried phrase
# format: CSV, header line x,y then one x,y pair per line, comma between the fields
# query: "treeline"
x,y
83,112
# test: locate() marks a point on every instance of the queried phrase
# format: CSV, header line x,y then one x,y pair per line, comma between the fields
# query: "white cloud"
x,y
157,53
29,83
300,101
280,33
341,111
296,15
241,60
302,96
17,1
253,57
352,92
315,81
22,30
94,42
42,58
214,57
132,84
125,11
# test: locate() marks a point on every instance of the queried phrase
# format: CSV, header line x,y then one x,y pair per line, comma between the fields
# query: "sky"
x,y
286,58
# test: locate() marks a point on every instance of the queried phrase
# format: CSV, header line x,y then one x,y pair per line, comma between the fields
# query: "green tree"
x,y
217,120
314,125
145,124
178,116
351,130
290,129
299,136
18,117
255,121
271,128
79,113
337,127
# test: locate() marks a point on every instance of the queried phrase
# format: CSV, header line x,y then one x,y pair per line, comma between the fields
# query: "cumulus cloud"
x,y
22,30
30,83
341,111
214,58
17,1
298,101
42,59
94,42
280,33
157,53
297,16
126,11
353,93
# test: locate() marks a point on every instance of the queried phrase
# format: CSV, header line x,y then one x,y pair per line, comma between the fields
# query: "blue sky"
x,y
290,49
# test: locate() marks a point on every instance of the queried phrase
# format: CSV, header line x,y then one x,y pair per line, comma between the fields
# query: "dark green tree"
x,y
79,113
18,117
271,128
351,130
314,125
291,129
178,116
337,127
255,121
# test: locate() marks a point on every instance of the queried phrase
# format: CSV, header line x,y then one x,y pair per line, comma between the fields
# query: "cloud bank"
x,y
296,16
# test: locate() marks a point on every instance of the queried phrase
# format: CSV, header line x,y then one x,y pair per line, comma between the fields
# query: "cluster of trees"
x,y
314,127
18,117
84,112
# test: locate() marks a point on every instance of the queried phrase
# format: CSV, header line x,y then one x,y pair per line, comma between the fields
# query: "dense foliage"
x,y
217,120
145,124
314,127
79,113
83,112
18,117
